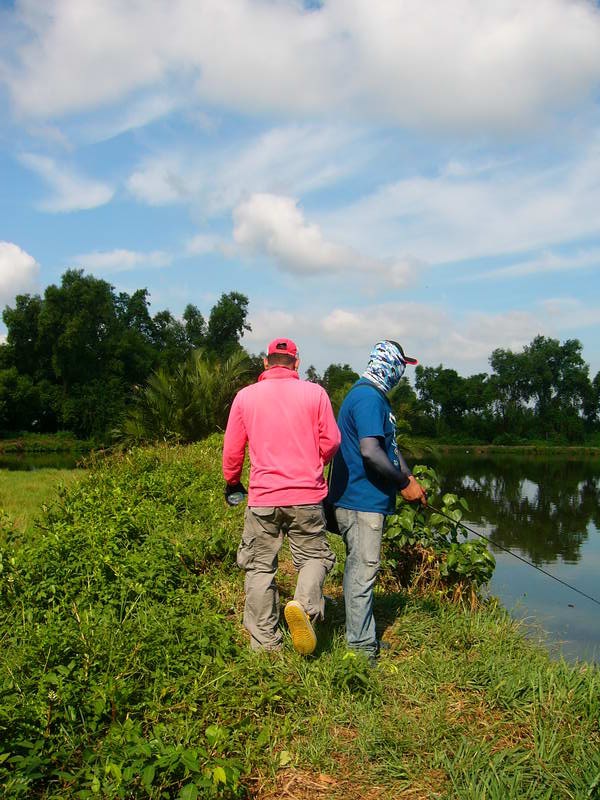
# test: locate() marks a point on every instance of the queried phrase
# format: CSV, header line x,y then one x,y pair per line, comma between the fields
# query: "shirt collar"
x,y
275,373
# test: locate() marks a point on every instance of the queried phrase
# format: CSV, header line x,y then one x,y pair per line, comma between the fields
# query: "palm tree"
x,y
190,403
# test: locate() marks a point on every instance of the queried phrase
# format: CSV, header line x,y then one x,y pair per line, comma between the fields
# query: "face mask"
x,y
385,367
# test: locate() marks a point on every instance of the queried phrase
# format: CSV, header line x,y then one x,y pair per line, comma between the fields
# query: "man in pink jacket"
x,y
291,433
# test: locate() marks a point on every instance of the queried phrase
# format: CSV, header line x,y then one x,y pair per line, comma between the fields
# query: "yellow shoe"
x,y
301,629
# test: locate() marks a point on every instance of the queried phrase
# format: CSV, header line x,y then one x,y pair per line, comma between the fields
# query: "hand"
x,y
235,493
414,491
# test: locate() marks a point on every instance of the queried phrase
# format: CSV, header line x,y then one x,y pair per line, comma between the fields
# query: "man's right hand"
x,y
414,491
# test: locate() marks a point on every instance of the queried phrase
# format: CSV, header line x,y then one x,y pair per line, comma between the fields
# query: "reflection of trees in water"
x,y
541,507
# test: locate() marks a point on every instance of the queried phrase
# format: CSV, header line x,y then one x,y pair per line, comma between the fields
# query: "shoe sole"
x,y
301,630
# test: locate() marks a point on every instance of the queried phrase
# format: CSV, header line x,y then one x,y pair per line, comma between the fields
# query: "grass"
x,y
24,493
126,673
59,442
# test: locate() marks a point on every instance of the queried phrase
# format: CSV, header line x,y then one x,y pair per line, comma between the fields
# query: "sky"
x,y
417,170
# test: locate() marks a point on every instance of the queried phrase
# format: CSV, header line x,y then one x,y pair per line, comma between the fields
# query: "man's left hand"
x,y
414,491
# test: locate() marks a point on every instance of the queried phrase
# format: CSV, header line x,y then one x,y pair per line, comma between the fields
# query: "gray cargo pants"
x,y
264,528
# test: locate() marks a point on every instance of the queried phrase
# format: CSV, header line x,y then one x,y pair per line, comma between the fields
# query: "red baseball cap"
x,y
283,346
405,358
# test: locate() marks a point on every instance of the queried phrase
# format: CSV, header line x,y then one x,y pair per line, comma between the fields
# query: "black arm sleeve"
x,y
377,459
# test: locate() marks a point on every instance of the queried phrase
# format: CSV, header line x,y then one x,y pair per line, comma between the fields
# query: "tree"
x,y
19,401
443,393
313,376
558,384
195,327
508,385
135,349
338,376
24,350
170,341
189,402
226,324
337,380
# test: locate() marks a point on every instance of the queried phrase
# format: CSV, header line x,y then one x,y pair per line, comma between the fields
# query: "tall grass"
x,y
126,673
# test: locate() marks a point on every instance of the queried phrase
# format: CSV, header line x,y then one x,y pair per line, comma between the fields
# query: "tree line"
x,y
76,358
85,358
544,392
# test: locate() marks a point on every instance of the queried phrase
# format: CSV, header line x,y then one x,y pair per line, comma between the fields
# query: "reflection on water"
x,y
547,510
542,507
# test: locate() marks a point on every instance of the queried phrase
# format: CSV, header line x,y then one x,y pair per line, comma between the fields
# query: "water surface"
x,y
546,509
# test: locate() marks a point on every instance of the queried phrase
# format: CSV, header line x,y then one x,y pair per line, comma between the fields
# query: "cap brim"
x,y
412,361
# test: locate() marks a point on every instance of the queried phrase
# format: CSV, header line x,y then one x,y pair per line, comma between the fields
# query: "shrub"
x,y
422,550
113,630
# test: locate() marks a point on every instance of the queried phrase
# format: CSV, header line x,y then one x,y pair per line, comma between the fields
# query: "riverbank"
x,y
61,442
421,448
127,672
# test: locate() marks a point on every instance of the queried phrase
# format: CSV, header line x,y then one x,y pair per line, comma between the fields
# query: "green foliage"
x,y
543,392
72,358
116,630
189,403
125,673
421,546
226,324
337,380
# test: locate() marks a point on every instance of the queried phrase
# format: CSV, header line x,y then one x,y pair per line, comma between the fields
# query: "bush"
x,y
422,549
114,632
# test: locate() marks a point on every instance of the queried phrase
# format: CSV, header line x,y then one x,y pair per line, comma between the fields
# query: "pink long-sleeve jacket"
x,y
291,433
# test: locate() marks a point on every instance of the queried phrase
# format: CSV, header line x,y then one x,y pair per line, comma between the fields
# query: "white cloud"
x,y
161,181
431,333
274,226
545,263
111,261
70,191
269,324
266,224
467,64
450,217
289,159
136,115
19,272
570,314
204,243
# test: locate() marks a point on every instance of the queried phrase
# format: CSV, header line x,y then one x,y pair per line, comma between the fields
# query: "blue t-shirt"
x,y
365,412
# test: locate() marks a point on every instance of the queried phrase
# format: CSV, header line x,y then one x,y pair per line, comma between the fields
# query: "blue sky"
x,y
361,169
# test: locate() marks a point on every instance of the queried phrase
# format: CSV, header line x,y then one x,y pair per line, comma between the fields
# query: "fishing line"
x,y
506,550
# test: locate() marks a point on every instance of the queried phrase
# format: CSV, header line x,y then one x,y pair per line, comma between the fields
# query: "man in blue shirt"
x,y
367,473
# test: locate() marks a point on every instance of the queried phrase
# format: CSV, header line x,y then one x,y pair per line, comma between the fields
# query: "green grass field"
x,y
126,672
24,493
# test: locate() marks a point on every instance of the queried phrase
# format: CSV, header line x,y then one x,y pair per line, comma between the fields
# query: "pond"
x,y
547,510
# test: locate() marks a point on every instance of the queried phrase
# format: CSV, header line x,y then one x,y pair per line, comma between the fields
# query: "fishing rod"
x,y
506,550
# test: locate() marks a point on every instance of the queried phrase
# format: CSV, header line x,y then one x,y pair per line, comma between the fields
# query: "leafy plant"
x,y
422,548
189,403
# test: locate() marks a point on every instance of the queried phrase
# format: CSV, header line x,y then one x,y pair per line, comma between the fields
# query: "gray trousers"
x,y
264,529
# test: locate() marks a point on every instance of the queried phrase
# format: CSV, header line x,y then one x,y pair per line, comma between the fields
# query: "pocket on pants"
x,y
245,552
310,519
